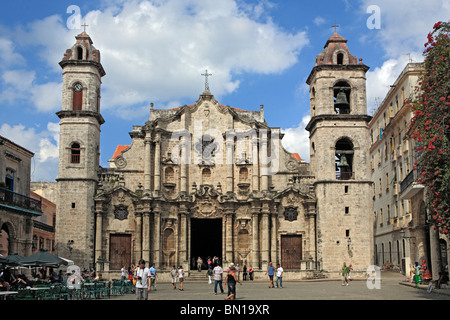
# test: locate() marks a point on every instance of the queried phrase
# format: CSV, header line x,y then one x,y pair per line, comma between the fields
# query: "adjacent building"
x,y
402,231
17,208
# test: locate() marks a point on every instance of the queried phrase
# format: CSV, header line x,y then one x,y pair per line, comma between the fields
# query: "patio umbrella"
x,y
14,260
2,261
43,258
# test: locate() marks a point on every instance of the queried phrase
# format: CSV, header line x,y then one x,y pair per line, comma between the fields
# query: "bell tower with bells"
x,y
79,150
339,149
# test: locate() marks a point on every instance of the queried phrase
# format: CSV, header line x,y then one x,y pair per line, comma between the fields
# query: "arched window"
x,y
341,92
340,58
75,153
344,159
77,100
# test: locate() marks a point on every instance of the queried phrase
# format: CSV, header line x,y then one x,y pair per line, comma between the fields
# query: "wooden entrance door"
x,y
291,251
119,251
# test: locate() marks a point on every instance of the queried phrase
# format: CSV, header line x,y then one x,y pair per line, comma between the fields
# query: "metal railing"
x,y
410,178
9,197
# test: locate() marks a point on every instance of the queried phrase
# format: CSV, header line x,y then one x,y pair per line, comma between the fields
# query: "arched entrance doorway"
x,y
206,240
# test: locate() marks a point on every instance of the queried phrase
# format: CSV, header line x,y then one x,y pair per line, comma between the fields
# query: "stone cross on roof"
x,y
206,74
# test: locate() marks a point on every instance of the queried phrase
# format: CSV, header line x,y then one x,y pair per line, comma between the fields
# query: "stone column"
x,y
273,239
255,240
265,239
229,237
158,164
229,162
255,165
146,237
435,253
182,237
147,163
138,233
264,164
156,236
98,235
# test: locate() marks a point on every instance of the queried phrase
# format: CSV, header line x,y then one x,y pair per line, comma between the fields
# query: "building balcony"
x,y
18,202
409,187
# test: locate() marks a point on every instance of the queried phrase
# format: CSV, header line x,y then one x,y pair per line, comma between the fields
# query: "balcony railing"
x,y
410,178
19,200
345,175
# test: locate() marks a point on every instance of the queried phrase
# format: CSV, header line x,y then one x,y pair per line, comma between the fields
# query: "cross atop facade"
x,y
335,27
206,74
84,26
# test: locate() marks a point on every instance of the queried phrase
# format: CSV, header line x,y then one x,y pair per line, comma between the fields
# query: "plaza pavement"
x,y
393,286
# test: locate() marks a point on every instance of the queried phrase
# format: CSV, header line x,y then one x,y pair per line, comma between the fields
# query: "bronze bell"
x,y
343,162
341,100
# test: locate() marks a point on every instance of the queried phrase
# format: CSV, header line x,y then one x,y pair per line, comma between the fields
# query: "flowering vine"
x,y
430,125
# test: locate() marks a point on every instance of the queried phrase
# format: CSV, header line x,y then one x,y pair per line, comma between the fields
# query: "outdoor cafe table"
x,y
38,289
4,294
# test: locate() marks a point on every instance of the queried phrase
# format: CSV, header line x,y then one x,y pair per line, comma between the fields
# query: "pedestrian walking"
x,y
417,274
181,277
218,273
279,276
244,273
142,277
350,268
153,277
124,273
173,274
238,271
209,273
344,275
230,282
250,272
271,272
199,264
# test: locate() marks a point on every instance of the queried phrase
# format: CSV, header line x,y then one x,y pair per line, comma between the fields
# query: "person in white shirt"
x,y
218,272
181,277
123,273
279,276
142,277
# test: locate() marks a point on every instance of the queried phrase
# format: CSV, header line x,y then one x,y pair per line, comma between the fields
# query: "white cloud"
x,y
406,23
404,28
296,140
43,144
155,51
319,21
20,85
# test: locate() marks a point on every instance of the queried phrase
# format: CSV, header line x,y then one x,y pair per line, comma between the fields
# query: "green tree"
x,y
430,125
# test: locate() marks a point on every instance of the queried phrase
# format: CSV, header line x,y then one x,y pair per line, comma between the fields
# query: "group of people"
x,y
142,276
346,274
210,262
422,274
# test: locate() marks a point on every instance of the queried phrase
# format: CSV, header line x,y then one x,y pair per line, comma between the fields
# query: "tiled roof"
x,y
118,151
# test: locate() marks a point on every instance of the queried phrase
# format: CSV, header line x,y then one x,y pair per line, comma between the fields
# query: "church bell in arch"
x,y
341,104
343,163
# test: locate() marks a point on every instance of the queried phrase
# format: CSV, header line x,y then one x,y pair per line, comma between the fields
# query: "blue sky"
x,y
259,52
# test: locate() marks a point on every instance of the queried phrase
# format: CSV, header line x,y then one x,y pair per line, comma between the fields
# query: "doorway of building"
x,y
206,241
119,251
291,251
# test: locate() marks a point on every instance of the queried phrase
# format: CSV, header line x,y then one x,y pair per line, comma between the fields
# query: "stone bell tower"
x,y
339,146
79,154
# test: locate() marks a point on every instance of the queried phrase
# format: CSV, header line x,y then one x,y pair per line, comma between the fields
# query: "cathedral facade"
x,y
207,179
